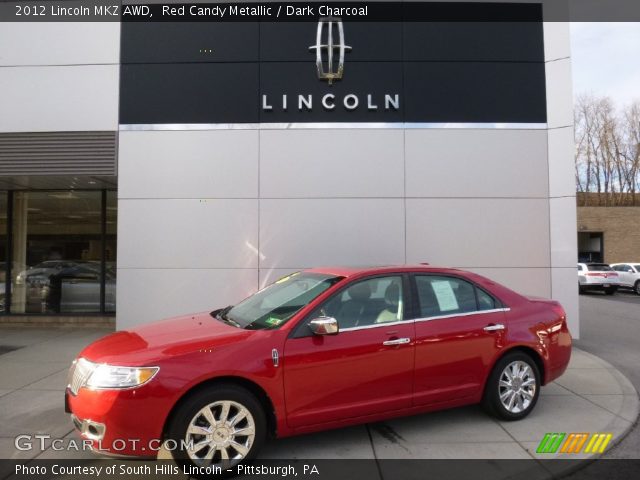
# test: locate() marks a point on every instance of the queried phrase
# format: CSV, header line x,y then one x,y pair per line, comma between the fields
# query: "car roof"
x,y
350,271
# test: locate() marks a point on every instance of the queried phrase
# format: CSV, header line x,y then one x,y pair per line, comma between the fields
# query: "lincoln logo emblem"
x,y
330,47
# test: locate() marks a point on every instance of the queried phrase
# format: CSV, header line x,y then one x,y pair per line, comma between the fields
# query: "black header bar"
x,y
301,11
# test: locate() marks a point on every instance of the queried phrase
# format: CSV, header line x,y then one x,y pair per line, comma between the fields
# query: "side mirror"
x,y
324,326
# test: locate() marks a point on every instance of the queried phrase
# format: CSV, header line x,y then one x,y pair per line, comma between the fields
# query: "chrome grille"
x,y
80,371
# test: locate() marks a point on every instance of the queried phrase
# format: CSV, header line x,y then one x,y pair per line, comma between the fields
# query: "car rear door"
x,y
367,368
459,330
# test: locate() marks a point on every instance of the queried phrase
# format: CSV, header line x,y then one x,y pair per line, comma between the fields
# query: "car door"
x,y
625,273
365,369
458,332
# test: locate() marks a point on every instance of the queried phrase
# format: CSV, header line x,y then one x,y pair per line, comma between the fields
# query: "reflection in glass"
x,y
111,252
57,252
3,250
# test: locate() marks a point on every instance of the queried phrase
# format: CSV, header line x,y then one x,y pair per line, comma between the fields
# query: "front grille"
x,y
81,371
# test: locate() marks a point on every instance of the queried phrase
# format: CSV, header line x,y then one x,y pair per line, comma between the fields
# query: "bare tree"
x,y
607,155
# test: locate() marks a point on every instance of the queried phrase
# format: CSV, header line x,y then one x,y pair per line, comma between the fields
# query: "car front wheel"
x,y
222,426
513,387
636,287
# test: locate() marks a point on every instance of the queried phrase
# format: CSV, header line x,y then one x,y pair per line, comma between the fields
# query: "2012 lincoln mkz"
x,y
318,349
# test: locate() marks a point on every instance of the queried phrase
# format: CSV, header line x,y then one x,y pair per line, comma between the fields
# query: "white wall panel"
x,y
478,232
564,248
145,295
59,43
306,233
68,98
476,163
559,93
562,178
331,163
564,282
525,281
188,164
557,37
207,233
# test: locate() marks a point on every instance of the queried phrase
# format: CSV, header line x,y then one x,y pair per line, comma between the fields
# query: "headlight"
x,y
113,376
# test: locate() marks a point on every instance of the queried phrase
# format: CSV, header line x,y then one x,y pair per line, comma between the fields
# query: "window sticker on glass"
x,y
287,277
444,294
273,321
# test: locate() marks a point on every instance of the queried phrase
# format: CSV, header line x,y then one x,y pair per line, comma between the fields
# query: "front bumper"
x,y
118,422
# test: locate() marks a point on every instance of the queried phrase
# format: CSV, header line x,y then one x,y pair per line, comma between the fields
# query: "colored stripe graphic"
x,y
574,443
598,443
550,443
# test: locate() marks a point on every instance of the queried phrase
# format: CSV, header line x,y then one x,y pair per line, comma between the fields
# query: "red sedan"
x,y
318,349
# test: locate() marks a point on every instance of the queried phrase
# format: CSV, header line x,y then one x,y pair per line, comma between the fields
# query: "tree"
x,y
607,155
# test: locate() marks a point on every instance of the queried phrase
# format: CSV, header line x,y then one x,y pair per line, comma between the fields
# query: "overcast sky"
x,y
606,60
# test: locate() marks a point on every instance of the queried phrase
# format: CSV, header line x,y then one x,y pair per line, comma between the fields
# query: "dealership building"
x,y
149,169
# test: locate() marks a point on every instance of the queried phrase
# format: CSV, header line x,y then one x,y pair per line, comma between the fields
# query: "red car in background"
x,y
318,349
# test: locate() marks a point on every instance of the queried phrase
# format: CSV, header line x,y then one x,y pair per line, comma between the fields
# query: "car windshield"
x,y
600,267
636,266
272,306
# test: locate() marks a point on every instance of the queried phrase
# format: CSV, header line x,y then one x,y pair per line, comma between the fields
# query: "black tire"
x,y
491,401
636,287
581,289
190,407
610,291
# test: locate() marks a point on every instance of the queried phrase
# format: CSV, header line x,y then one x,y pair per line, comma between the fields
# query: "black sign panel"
x,y
249,72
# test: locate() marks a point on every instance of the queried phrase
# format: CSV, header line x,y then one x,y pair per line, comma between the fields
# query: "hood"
x,y
152,342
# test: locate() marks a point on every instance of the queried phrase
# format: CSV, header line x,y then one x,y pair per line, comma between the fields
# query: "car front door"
x,y
365,369
626,275
458,332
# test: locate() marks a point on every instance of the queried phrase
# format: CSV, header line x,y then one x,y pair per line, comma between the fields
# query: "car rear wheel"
x,y
222,426
513,387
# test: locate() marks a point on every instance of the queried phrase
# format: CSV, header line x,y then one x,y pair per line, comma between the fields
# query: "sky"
x,y
606,60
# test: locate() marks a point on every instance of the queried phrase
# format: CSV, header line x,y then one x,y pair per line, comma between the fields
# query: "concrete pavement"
x,y
592,396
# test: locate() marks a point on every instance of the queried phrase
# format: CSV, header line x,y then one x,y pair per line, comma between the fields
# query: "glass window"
x,y
444,296
369,302
272,306
598,267
57,252
3,250
486,301
110,254
637,267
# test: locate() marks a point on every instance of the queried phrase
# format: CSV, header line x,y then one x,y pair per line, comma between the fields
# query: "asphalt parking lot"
x,y
610,329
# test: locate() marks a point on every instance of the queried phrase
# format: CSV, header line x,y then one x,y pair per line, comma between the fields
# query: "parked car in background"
x,y
76,289
629,274
317,349
597,276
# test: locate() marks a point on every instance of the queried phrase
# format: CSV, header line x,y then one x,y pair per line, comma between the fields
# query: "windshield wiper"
x,y
222,316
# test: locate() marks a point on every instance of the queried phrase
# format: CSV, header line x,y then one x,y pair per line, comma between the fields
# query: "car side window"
x,y
439,295
485,301
369,302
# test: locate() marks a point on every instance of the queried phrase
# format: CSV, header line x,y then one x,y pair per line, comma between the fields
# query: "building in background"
x,y
229,162
609,234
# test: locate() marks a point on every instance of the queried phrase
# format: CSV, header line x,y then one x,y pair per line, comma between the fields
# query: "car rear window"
x,y
600,267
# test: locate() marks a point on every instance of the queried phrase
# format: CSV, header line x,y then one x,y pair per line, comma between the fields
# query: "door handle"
x,y
397,341
494,328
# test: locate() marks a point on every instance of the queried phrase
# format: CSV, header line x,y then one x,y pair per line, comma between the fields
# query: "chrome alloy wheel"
x,y
517,386
220,433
